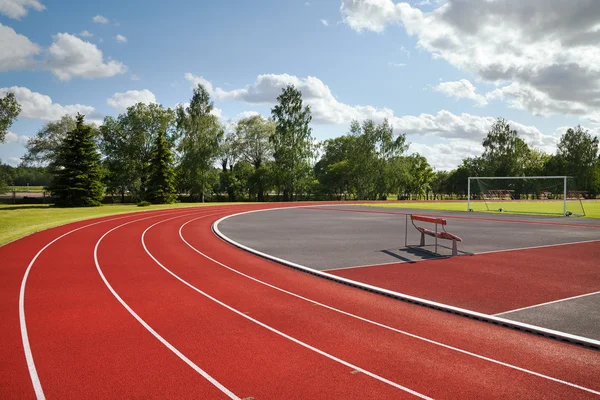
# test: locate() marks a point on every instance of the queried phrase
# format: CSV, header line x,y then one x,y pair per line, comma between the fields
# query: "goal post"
x,y
525,194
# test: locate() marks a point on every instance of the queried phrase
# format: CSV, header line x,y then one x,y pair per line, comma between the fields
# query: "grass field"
x,y
592,207
20,220
37,189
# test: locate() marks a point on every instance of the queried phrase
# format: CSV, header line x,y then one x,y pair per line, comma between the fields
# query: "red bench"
x,y
437,233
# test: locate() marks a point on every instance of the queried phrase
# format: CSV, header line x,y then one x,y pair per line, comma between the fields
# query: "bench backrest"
x,y
433,220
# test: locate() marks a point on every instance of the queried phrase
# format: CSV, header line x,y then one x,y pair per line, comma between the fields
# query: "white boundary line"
x,y
380,324
413,299
539,247
168,345
548,303
35,380
284,335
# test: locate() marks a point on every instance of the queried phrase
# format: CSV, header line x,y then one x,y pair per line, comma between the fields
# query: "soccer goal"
x,y
553,195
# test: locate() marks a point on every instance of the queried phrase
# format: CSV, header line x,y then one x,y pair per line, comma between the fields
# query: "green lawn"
x,y
38,189
592,207
20,220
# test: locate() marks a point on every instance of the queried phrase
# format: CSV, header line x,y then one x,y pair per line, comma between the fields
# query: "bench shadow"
x,y
418,254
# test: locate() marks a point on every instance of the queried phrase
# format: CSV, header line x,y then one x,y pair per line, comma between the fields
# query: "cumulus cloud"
x,y
12,137
324,22
99,19
70,57
196,80
35,105
122,101
85,34
17,9
121,39
16,51
462,89
446,155
548,47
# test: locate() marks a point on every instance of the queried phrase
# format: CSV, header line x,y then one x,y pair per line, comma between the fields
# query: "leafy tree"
x,y
440,184
9,111
578,156
333,169
201,134
42,148
128,143
253,143
505,152
77,180
292,140
161,184
422,175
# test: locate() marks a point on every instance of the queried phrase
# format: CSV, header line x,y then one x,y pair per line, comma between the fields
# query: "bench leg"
x,y
454,248
422,239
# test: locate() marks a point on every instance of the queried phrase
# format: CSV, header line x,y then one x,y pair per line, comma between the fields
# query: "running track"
x,y
154,305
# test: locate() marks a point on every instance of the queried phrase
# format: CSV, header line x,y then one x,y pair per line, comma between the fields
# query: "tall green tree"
x,y
9,111
253,135
505,152
43,147
578,156
292,140
77,180
201,133
161,183
128,142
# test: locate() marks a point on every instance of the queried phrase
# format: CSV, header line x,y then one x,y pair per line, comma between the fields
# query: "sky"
x,y
440,71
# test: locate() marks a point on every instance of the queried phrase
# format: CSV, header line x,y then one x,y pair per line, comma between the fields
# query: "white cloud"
x,y
217,112
17,9
462,89
12,137
16,51
195,80
70,57
14,161
405,51
324,22
448,154
122,101
246,114
134,77
35,105
121,39
548,47
391,64
85,34
99,19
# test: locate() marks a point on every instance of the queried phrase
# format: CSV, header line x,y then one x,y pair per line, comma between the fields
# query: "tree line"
x,y
162,155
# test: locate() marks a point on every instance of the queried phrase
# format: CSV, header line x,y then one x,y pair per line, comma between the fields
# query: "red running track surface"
x,y
154,305
495,282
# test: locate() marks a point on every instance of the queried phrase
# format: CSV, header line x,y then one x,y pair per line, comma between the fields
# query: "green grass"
x,y
17,221
38,189
592,207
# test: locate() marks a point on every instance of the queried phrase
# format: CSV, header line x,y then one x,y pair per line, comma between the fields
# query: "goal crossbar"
x,y
564,178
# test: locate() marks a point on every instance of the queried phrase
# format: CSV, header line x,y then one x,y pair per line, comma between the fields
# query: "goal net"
x,y
552,195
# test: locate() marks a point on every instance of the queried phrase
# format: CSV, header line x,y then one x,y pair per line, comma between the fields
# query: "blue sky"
x,y
436,69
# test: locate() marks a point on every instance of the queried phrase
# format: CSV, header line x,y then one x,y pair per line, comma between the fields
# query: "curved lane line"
x,y
299,342
35,380
412,335
568,337
168,345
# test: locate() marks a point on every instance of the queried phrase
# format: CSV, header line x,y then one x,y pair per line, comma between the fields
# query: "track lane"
x,y
85,345
246,358
526,350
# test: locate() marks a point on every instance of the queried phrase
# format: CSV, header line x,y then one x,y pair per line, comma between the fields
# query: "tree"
x,y
128,143
201,134
42,148
9,111
292,140
161,182
77,180
253,143
578,156
505,152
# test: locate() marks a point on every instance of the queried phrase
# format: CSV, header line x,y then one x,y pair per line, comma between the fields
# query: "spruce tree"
x,y
161,184
76,169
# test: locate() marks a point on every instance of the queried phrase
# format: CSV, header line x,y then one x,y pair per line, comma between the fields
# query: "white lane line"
x,y
539,247
547,303
297,341
540,375
35,380
178,353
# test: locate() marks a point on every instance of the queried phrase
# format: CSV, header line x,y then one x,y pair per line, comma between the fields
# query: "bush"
x,y
144,204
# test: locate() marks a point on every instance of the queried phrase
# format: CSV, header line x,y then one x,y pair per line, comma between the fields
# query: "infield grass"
x,y
17,221
592,207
